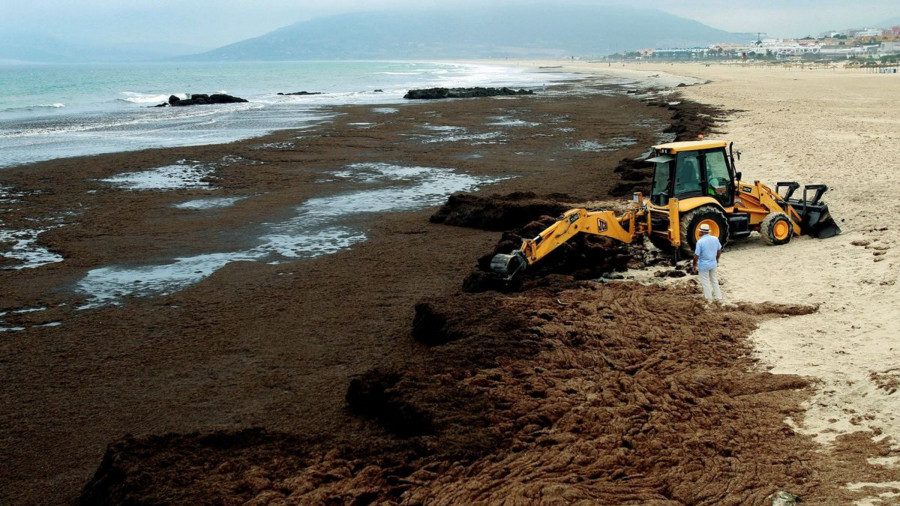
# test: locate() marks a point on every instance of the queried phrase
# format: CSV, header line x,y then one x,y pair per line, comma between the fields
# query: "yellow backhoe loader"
x,y
694,182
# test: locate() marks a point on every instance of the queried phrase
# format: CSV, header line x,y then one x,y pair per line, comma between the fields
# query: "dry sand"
x,y
839,127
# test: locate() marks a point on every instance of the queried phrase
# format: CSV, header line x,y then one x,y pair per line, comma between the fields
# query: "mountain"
x,y
482,32
888,23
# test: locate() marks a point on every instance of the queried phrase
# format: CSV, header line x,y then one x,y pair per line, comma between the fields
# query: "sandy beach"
x,y
838,127
366,375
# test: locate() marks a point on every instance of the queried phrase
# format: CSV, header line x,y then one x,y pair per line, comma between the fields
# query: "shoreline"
x,y
384,310
226,352
116,113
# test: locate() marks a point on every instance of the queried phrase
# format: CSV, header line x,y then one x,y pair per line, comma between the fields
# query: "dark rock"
x,y
438,93
302,93
202,99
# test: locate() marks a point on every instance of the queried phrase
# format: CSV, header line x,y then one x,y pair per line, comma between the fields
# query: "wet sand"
x,y
256,344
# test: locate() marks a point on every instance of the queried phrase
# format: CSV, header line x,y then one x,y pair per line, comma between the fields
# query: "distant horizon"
x,y
103,31
208,24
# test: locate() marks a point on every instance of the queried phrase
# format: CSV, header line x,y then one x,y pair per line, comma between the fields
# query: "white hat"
x,y
704,228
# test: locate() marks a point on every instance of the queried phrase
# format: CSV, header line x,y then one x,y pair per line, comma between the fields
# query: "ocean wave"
x,y
163,117
34,107
148,98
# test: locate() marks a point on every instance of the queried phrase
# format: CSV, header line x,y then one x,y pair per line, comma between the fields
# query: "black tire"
x,y
690,223
662,243
776,229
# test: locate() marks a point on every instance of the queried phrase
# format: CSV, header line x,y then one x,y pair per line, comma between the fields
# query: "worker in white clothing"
x,y
706,260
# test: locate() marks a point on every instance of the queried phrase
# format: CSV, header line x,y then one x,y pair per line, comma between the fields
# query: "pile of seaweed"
x,y
603,393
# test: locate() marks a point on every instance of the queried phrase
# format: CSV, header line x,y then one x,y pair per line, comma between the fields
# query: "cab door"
x,y
718,181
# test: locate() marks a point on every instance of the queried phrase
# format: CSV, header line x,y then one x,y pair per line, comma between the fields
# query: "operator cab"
x,y
692,169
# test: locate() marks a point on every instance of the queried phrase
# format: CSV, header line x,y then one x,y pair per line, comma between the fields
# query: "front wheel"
x,y
776,229
690,227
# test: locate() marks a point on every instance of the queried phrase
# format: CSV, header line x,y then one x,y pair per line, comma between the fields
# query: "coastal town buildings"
x,y
868,43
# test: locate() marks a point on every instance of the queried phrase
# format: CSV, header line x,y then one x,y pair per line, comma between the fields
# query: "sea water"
x,y
57,111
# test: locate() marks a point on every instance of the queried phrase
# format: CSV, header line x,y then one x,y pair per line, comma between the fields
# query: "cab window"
x,y
687,177
717,177
660,178
717,171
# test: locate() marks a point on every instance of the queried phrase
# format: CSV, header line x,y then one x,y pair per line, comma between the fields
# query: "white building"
x,y
870,32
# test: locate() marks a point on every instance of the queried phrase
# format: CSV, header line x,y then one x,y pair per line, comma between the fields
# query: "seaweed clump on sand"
x,y
587,392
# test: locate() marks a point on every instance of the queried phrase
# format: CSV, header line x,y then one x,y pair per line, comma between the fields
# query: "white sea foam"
x,y
444,128
511,122
613,144
183,175
474,139
211,203
57,105
8,195
316,229
22,245
149,98
115,124
107,284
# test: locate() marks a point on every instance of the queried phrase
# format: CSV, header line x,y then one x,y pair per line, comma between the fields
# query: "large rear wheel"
x,y
776,229
662,243
690,227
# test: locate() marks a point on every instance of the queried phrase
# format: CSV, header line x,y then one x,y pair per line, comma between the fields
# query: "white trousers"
x,y
710,283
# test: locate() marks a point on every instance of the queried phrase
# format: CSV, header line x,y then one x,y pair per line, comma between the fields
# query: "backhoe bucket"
x,y
508,265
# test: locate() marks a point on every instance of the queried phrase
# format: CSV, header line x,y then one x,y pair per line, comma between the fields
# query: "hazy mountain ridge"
x,y
488,32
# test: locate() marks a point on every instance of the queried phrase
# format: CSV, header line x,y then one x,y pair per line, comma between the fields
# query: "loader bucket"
x,y
823,226
815,218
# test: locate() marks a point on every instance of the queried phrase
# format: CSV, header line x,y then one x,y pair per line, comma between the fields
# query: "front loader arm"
x,y
574,221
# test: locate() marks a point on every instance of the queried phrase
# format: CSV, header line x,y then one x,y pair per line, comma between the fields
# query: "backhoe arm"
x,y
574,221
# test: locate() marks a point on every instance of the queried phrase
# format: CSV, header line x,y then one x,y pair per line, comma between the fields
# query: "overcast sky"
x,y
212,23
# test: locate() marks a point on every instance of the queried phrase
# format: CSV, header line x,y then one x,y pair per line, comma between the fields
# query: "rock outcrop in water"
x,y
202,99
302,93
437,93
